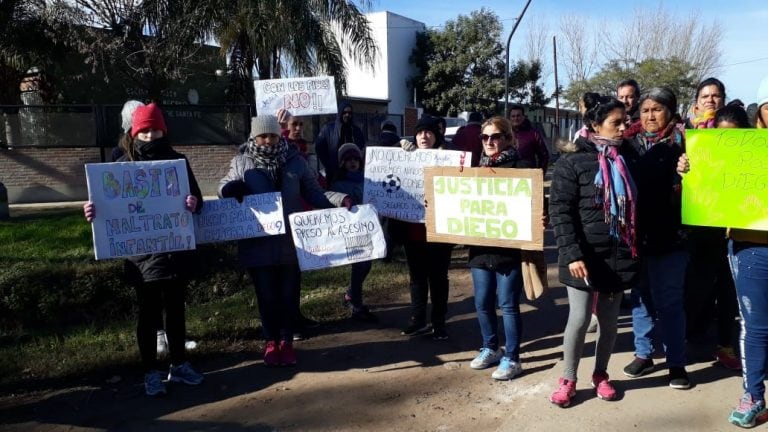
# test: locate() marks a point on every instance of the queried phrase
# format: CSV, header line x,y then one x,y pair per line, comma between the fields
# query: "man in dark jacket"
x,y
531,145
333,135
467,138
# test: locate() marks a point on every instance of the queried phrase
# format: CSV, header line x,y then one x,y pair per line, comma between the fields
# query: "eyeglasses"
x,y
347,112
496,136
296,123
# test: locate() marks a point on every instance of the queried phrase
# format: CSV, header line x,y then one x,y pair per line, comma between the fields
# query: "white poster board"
x,y
300,96
226,219
139,208
337,236
394,179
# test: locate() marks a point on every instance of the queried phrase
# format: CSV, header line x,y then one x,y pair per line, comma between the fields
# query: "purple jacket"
x,y
531,146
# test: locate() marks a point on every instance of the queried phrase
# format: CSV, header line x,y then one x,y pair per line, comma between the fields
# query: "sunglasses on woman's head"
x,y
496,136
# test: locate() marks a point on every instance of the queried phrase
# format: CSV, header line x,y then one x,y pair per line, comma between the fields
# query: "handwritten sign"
x,y
226,219
139,208
335,237
488,207
394,179
728,182
300,96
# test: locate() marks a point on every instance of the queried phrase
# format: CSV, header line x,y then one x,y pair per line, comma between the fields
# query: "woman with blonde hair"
x,y
496,272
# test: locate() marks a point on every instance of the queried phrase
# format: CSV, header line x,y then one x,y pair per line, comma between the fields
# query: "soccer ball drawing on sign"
x,y
391,183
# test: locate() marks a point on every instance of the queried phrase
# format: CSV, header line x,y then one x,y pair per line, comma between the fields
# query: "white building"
x,y
395,37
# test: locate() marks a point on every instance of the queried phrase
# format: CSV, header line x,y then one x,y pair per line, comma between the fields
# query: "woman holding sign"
x,y
159,277
496,276
748,256
269,164
427,262
592,211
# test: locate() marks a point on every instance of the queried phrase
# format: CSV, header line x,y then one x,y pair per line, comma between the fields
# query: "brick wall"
x,y
57,174
410,119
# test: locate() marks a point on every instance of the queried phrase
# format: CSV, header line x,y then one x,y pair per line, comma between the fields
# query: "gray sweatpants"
x,y
579,314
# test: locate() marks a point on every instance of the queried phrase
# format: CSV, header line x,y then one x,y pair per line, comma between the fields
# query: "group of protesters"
x,y
614,207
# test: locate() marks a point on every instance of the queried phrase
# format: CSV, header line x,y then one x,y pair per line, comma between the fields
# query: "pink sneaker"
x,y
565,391
727,357
287,354
271,354
603,387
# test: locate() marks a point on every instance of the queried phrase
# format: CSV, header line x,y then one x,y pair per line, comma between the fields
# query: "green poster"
x,y
728,182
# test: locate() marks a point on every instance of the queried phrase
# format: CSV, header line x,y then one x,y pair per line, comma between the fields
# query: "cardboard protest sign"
x,y
139,208
728,182
487,207
335,237
226,219
394,179
300,96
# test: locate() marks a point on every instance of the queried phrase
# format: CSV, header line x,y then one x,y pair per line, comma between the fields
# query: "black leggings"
x,y
428,268
154,298
277,293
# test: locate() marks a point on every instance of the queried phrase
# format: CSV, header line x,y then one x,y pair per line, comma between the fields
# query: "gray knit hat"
x,y
126,114
264,124
348,150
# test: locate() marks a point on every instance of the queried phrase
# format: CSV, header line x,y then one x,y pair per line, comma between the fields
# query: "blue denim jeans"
x,y
659,307
749,264
505,288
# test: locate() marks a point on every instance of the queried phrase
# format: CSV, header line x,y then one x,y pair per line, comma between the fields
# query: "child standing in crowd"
x,y
427,262
496,271
269,164
158,278
349,180
592,210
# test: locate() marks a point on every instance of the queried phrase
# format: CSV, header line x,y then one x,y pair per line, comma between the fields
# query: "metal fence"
x,y
100,125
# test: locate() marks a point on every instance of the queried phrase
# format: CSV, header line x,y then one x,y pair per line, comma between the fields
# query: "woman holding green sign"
x,y
496,276
748,255
592,210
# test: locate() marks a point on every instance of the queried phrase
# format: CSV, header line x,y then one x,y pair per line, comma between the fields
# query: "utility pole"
x,y
557,87
506,63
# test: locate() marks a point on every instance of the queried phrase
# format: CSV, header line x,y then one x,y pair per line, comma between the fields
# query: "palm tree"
x,y
26,40
305,37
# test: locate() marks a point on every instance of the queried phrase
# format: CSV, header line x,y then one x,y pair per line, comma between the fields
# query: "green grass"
x,y
55,237
66,317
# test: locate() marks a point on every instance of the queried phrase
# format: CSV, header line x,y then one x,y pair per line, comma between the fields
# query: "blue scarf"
x,y
615,191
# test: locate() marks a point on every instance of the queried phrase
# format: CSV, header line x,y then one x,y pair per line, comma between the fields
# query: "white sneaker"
x,y
162,342
507,369
190,345
486,358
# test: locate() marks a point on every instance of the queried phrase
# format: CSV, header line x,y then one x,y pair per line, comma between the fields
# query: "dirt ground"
x,y
356,376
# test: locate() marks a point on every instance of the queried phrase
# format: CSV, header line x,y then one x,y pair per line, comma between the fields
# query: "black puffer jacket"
x,y
498,259
659,226
579,224
163,266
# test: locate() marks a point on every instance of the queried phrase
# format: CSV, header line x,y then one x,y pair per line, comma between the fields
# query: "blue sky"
x,y
745,52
